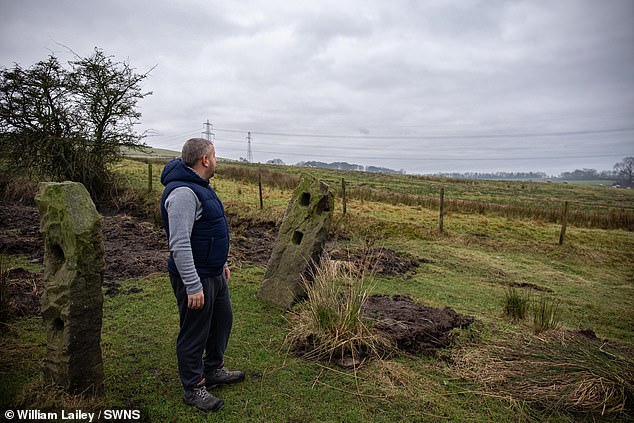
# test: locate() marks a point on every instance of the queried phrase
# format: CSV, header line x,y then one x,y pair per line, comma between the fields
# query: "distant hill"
x,y
349,166
520,176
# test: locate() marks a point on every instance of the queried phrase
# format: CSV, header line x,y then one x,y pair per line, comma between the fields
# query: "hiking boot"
x,y
222,376
201,399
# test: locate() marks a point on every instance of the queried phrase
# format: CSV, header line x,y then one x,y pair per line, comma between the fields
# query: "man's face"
x,y
210,160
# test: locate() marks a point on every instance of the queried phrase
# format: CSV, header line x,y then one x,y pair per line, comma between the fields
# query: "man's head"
x,y
200,155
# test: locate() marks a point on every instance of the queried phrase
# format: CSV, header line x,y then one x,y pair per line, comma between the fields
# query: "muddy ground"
x,y
136,249
133,249
380,261
413,327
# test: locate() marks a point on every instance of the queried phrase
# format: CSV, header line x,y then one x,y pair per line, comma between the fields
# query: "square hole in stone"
x,y
304,200
297,237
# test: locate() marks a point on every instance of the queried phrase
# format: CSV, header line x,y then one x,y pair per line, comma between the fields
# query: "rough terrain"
x,y
137,249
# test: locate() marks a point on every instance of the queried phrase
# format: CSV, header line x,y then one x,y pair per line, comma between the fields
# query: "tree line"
x,y
622,173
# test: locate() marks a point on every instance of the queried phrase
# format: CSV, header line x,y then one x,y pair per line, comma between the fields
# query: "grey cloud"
x,y
403,68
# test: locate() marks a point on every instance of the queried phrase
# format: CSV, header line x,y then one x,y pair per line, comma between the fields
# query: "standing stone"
x,y
72,300
299,243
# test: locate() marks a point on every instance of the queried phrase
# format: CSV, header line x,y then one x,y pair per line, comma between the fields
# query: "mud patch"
x,y
251,241
133,248
413,327
20,230
381,261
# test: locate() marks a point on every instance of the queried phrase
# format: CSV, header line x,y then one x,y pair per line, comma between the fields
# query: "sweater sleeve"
x,y
183,208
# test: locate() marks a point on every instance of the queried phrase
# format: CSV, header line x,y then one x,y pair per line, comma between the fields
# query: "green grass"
x,y
138,339
468,268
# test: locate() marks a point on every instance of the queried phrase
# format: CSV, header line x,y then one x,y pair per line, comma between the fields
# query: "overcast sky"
x,y
425,86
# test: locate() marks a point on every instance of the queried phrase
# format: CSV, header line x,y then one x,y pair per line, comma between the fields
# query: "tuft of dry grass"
x,y
562,370
546,314
329,324
36,394
516,304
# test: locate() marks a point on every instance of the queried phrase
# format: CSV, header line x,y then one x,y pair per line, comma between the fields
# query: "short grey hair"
x,y
194,150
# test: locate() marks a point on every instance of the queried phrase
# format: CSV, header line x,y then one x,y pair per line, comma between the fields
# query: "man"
x,y
198,236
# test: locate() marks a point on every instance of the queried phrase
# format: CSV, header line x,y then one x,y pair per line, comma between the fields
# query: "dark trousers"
x,y
205,330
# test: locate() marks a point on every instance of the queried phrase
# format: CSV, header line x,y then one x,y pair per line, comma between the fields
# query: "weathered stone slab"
x,y
300,242
72,302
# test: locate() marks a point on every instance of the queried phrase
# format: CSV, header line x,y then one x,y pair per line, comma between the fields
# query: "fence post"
x,y
260,189
442,209
149,175
343,195
564,223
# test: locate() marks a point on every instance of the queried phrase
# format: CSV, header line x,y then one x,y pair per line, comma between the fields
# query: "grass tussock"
x,y
329,324
545,311
546,314
559,370
516,304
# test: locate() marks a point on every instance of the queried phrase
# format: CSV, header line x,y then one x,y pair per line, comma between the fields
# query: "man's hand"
x,y
227,273
196,301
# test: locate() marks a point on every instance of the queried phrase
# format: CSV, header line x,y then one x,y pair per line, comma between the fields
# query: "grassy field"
x,y
588,206
468,267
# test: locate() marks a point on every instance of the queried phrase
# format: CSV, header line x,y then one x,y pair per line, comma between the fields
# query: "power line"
x,y
393,148
366,148
392,137
158,137
427,158
436,137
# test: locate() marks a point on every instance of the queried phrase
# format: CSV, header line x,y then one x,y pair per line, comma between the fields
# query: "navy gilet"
x,y
210,234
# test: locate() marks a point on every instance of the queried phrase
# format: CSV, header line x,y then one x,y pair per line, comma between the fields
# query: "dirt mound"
x,y
413,327
382,261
